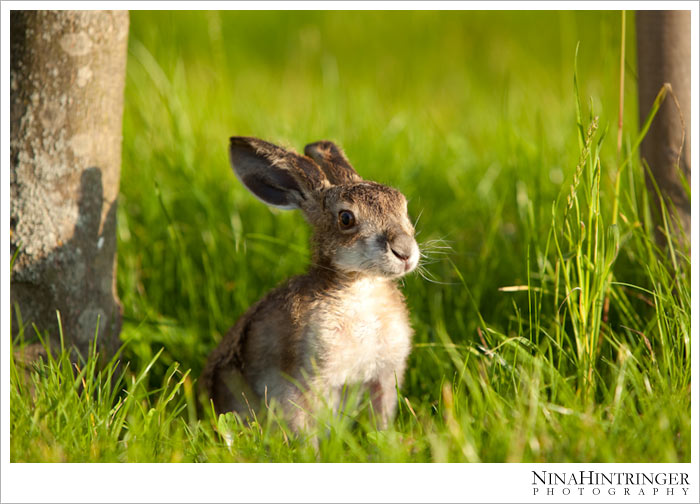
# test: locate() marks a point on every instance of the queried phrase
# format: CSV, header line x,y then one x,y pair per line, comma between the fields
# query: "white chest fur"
x,y
361,333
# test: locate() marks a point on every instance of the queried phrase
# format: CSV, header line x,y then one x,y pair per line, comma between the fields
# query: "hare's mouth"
x,y
408,260
400,264
371,258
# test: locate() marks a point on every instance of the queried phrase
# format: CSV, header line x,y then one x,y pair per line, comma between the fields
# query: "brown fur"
x,y
331,159
344,320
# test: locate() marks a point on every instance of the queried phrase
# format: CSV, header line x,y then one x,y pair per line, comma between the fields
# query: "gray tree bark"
x,y
67,74
663,56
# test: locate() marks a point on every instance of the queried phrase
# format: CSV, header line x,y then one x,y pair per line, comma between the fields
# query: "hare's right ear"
x,y
333,162
276,176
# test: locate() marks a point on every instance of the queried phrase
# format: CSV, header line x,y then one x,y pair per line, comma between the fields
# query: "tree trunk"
x,y
663,56
67,73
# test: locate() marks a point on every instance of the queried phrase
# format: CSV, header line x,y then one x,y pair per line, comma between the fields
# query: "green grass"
x,y
583,357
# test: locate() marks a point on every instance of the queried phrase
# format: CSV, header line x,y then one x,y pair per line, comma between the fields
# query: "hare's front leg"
x,y
303,407
383,393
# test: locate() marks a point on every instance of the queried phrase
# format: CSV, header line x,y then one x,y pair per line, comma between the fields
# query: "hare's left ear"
x,y
333,162
276,176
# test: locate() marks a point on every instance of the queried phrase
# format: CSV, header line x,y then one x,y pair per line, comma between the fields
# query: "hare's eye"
x,y
346,219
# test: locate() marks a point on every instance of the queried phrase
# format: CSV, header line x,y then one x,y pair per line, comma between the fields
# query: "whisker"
x,y
436,247
418,218
429,253
427,279
437,244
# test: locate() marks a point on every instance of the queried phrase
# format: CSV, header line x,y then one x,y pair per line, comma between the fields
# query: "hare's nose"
x,y
402,246
400,255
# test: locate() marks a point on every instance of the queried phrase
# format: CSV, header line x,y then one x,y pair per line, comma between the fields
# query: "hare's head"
x,y
359,226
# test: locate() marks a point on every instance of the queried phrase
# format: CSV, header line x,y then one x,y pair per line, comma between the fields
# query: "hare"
x,y
343,322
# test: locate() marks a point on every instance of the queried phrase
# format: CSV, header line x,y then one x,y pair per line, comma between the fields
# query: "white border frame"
x,y
320,482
